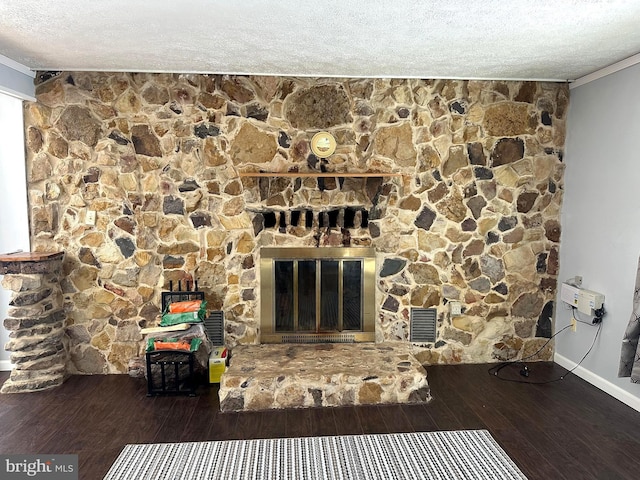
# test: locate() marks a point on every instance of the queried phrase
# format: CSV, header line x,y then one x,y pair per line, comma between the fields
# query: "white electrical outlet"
x,y
456,308
90,217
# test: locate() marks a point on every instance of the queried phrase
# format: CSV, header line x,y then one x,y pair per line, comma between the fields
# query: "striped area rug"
x,y
465,454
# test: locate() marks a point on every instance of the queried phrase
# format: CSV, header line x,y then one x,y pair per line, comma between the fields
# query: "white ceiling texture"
x,y
471,39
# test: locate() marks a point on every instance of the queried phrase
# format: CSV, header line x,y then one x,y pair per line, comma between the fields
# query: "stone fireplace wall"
x,y
474,218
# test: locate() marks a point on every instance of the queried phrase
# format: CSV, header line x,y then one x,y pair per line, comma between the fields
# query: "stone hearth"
x,y
264,377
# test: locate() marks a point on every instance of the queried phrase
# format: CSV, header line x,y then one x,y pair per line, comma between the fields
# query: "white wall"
x,y
601,222
14,223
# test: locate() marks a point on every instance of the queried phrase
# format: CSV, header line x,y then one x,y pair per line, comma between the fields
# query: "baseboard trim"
x,y
597,381
5,366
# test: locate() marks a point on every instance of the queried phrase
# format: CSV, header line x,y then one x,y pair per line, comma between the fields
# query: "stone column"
x,y
36,321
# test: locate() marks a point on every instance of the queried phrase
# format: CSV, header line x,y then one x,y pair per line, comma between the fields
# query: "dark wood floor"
x,y
563,430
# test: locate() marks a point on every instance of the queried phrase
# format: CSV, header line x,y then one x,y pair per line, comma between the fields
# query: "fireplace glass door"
x,y
318,295
313,295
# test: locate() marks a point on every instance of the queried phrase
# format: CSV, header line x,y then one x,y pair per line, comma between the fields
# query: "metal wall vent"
x,y
214,325
319,338
423,325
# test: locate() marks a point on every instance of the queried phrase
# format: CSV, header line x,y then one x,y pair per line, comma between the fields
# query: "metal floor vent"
x,y
423,325
214,325
319,338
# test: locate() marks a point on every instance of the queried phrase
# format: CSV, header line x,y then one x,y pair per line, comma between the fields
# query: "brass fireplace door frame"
x,y
268,256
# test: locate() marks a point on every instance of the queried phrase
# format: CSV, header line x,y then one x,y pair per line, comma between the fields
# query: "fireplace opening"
x,y
317,295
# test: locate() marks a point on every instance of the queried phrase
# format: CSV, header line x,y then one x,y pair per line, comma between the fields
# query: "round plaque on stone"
x,y
323,144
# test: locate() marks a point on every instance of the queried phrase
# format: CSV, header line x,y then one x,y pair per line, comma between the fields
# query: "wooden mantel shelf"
x,y
319,174
30,256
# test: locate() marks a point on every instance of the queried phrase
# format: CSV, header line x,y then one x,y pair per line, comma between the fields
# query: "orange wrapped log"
x,y
180,345
186,306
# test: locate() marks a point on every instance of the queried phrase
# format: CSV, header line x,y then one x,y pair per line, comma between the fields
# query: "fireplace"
x,y
317,295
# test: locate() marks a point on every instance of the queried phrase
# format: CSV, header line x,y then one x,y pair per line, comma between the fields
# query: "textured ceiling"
x,y
496,39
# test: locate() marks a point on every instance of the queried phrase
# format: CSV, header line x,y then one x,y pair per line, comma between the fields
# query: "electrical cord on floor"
x,y
525,370
496,368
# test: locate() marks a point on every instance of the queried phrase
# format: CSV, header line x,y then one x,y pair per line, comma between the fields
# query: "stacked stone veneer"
x,y
475,218
36,323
